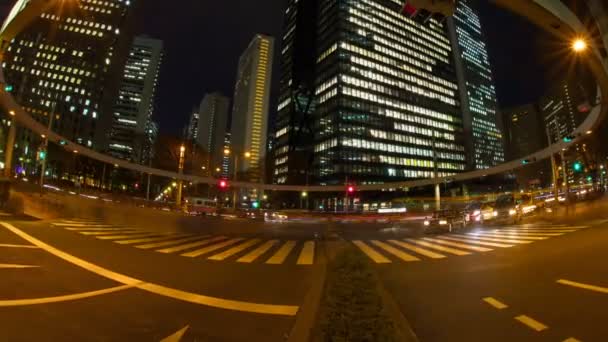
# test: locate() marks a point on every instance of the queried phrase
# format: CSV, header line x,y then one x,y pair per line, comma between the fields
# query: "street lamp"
x,y
579,45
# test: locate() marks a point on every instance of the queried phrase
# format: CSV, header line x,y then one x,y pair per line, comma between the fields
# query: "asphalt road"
x,y
81,280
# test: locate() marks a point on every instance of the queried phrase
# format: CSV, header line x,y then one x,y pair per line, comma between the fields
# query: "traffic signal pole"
x,y
9,148
45,144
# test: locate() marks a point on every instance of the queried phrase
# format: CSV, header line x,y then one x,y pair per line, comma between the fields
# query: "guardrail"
x,y
551,15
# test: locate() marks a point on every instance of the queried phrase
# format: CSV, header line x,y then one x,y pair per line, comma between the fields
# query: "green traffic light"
x,y
255,205
42,155
578,166
8,88
567,139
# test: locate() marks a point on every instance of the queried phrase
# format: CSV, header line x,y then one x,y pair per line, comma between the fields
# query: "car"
x,y
507,208
472,212
444,220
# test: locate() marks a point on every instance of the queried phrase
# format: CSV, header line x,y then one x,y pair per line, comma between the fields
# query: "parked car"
x,y
444,220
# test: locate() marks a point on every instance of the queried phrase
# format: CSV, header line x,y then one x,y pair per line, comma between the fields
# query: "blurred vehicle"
x,y
275,216
507,208
444,220
200,206
472,212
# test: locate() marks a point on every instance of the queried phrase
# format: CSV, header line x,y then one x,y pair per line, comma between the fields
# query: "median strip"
x,y
221,303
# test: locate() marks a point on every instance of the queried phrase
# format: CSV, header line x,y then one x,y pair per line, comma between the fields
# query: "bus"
x,y
201,206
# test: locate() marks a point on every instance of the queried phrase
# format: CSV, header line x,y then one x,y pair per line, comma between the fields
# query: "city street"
x,y
78,279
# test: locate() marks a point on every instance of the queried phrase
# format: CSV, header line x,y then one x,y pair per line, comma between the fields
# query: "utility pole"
x,y
436,175
236,167
45,143
10,146
178,198
553,167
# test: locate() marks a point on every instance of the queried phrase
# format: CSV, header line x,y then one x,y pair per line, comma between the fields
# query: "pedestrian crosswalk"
x,y
459,244
209,247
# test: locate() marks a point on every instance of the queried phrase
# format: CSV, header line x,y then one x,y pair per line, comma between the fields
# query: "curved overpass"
x,y
551,15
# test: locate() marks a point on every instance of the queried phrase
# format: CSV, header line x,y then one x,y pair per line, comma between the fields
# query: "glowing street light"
x,y
226,151
304,194
247,155
579,45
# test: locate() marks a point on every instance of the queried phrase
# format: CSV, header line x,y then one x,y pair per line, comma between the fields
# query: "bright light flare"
x,y
579,45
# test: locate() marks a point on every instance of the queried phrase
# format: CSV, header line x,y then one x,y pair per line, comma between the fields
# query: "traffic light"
x,y
42,155
223,184
577,166
63,142
589,179
255,204
350,189
8,88
568,138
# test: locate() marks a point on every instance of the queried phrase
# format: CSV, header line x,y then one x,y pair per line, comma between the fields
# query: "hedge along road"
x,y
550,15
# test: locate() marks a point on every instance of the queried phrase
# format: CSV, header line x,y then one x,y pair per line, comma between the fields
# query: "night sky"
x,y
204,39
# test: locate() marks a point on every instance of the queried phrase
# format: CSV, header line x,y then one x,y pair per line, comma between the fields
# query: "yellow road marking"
x,y
307,255
57,299
195,244
583,286
271,309
280,256
459,245
438,247
531,323
473,236
6,245
371,253
127,236
256,253
418,250
154,239
482,243
509,236
234,250
212,248
17,266
176,337
168,243
394,251
571,339
495,303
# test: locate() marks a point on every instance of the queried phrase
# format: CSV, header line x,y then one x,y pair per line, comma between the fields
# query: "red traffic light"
x,y
350,189
223,184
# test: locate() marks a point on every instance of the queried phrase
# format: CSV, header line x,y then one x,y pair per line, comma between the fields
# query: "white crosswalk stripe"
x,y
191,245
459,245
394,251
439,247
421,251
475,242
505,240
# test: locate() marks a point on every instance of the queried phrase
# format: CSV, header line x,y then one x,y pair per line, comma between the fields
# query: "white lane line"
x,y
583,286
98,229
438,247
121,231
17,266
495,303
154,239
394,251
371,253
526,233
235,305
6,245
82,225
459,245
307,254
538,230
531,323
48,300
509,236
418,250
477,242
256,253
127,236
176,337
546,228
170,243
473,236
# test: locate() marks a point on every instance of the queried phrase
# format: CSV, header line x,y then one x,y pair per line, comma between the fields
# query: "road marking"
x,y
495,303
57,299
104,232
526,233
190,245
459,245
473,236
235,305
534,231
583,286
234,250
83,225
531,323
154,239
394,251
176,337
509,236
438,247
371,253
212,248
97,229
307,255
418,250
548,227
482,243
168,243
282,254
6,245
17,266
571,339
127,236
256,253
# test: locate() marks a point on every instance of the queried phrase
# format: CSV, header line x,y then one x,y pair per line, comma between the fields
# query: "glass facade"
x,y
132,129
68,63
479,104
387,101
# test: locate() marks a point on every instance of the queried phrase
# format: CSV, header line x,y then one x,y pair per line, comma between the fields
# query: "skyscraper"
x,y
191,131
69,62
564,108
386,101
132,130
483,136
212,125
250,109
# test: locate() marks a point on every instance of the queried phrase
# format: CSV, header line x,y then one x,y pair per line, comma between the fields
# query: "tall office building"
x,y
69,62
564,108
132,130
483,137
250,108
212,126
386,101
191,131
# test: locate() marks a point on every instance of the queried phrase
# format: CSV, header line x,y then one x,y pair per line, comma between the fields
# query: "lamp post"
x,y
43,154
178,198
246,155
